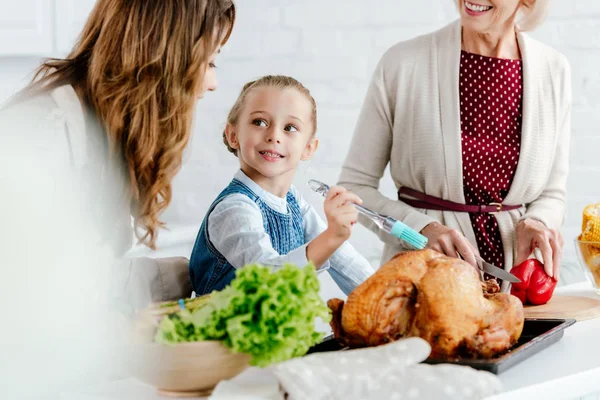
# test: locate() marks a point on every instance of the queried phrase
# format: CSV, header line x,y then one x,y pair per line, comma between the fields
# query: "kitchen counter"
x,y
568,369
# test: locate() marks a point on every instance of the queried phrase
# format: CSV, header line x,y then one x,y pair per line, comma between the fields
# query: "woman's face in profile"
x,y
484,16
209,82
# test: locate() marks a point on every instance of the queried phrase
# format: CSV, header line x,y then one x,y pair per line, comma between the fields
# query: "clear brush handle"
x,y
323,188
387,224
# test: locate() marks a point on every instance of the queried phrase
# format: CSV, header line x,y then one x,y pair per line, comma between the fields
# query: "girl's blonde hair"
x,y
535,13
277,81
138,65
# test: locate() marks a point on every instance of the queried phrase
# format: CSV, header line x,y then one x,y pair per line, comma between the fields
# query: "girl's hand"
x,y
341,214
449,242
532,234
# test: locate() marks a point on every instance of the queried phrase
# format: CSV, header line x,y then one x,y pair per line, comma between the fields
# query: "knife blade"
x,y
497,272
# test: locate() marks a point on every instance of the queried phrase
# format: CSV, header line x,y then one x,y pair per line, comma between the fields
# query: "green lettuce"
x,y
267,314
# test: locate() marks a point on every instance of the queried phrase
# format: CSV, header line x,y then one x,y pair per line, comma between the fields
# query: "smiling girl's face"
x,y
274,132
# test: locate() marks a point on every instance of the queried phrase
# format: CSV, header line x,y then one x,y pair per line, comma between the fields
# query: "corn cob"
x,y
590,229
590,239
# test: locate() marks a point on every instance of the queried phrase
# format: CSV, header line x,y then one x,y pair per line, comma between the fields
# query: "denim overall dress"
x,y
210,270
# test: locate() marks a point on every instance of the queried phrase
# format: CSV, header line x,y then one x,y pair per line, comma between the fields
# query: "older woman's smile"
x,y
476,9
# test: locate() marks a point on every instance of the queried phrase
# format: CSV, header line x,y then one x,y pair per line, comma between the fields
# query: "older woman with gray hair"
x,y
474,120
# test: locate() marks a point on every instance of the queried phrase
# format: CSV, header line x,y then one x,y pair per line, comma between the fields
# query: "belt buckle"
x,y
497,205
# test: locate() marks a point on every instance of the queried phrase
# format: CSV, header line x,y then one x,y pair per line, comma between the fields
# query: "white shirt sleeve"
x,y
347,266
236,230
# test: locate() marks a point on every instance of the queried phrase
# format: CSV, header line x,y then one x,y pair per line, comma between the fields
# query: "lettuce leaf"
x,y
267,314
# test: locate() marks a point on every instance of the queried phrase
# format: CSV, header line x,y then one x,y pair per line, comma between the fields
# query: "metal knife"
x,y
497,272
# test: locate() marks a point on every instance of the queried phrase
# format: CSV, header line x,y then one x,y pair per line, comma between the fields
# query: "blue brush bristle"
x,y
410,236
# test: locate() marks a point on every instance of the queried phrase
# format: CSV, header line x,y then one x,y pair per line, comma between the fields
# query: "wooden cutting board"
x,y
579,308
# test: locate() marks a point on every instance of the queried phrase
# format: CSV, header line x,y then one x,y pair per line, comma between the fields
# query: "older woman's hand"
x,y
532,234
449,242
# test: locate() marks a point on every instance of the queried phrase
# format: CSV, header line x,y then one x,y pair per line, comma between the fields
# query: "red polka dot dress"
x,y
490,120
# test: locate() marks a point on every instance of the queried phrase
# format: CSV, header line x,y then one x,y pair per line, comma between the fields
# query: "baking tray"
x,y
537,335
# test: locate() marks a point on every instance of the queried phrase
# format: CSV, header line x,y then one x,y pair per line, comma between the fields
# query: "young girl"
x,y
260,217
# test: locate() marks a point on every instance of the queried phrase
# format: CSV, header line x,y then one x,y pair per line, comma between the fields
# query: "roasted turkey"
x,y
432,296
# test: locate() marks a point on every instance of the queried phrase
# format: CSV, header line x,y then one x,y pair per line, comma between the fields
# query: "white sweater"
x,y
55,126
411,120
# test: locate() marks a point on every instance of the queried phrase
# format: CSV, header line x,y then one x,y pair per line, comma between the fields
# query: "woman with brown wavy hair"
x,y
88,152
124,97
111,121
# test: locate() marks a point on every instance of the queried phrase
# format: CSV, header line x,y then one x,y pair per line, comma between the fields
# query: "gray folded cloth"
x,y
390,371
139,282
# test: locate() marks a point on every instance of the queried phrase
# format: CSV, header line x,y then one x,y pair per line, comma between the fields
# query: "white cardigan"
x,y
411,120
55,125
55,129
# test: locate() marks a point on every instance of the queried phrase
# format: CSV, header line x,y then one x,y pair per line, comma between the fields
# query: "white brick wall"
x,y
332,47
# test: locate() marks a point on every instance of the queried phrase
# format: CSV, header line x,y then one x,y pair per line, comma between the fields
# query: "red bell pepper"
x,y
536,287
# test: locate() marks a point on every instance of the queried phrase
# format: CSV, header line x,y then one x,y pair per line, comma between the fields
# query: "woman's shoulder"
x,y
42,109
401,50
36,122
26,108
38,104
418,49
540,51
48,120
